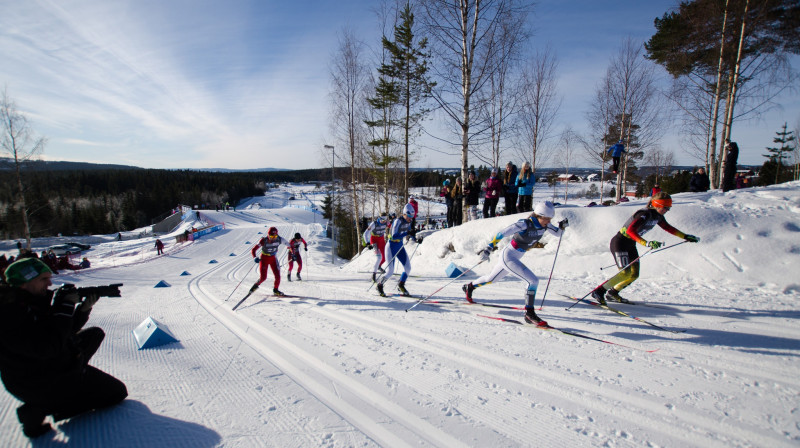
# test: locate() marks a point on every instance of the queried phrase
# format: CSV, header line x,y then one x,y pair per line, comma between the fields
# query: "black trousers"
x,y
511,203
67,394
525,204
490,207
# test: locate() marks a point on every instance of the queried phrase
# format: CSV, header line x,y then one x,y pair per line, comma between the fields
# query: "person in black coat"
x,y
510,188
45,353
731,159
699,182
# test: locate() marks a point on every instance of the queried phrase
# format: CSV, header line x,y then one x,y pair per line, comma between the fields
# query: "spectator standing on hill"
x,y
268,260
525,182
656,189
448,200
494,188
623,246
616,152
510,188
699,182
159,247
524,234
731,159
457,193
294,255
45,352
472,193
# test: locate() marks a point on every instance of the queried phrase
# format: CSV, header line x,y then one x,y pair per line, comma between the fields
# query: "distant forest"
x,y
102,199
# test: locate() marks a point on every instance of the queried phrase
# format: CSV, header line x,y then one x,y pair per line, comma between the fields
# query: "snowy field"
x,y
335,365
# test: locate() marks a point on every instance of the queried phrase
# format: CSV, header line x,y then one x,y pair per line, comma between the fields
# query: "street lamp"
x,y
333,202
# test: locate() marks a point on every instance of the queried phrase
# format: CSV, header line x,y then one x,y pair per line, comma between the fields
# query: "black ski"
x,y
566,332
623,313
243,299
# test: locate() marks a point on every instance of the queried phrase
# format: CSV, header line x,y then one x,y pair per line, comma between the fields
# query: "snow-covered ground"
x,y
338,366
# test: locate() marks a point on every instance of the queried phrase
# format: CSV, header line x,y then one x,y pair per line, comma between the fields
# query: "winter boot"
x,y
402,287
468,288
32,420
599,295
380,290
298,277
254,288
276,292
613,294
289,276
532,319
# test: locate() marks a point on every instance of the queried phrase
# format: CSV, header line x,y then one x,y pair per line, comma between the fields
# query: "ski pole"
x,y
448,283
240,282
402,246
657,250
551,270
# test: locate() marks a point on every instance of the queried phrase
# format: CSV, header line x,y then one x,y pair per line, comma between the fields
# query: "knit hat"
x,y
25,270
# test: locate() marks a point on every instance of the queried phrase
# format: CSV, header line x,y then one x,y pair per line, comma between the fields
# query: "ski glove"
x,y
257,259
563,224
89,301
653,244
692,238
369,246
485,254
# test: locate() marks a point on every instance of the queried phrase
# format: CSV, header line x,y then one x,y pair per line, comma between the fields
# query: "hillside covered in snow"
x,y
335,365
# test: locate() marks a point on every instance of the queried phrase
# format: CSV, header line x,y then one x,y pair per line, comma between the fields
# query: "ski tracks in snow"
x,y
368,370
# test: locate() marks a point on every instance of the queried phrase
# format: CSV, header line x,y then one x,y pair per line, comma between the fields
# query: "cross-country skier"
x,y
374,237
269,248
294,255
623,245
524,234
396,252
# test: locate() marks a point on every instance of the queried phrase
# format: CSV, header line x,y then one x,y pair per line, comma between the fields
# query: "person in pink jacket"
x,y
494,188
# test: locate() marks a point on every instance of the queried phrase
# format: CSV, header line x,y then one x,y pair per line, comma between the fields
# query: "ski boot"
x,y
380,290
253,288
277,293
402,287
599,295
468,288
289,276
532,319
381,270
298,277
374,277
32,419
613,294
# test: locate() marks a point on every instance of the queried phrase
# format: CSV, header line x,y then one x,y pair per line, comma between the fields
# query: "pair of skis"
x,y
623,313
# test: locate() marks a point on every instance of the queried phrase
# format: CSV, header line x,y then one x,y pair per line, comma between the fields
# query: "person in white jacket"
x,y
524,234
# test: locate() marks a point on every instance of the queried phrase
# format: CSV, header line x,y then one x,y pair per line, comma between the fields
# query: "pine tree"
x,y
777,155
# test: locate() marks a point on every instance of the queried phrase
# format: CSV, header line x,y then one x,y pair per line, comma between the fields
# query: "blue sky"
x,y
244,84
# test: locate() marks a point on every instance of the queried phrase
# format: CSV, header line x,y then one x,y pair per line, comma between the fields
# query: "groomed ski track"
x,y
361,356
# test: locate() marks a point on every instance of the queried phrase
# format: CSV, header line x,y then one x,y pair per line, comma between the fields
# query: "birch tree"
x,y
466,44
21,144
349,90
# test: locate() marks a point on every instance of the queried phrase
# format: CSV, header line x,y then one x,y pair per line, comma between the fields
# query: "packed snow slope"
x,y
335,365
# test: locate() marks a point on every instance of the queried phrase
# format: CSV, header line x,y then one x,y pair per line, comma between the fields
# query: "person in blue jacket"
x,y
524,184
396,251
616,152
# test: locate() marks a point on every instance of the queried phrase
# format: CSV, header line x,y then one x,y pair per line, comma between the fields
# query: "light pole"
x,y
333,202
